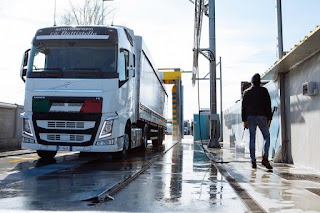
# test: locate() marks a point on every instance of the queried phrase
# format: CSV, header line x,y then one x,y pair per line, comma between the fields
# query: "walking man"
x,y
256,111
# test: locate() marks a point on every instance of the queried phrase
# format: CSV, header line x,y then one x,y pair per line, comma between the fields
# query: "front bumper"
x,y
116,147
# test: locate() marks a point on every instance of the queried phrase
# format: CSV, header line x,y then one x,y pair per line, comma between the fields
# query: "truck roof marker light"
x,y
91,106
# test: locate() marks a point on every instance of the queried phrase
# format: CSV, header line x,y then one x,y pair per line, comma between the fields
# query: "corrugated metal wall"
x,y
302,117
303,114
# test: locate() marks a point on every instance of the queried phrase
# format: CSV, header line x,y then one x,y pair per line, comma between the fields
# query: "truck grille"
x,y
66,138
66,128
78,125
59,124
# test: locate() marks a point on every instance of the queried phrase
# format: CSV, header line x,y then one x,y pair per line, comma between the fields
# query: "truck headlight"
x,y
106,129
26,128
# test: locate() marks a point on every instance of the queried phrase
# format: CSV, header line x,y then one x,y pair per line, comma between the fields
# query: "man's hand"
x,y
245,124
269,122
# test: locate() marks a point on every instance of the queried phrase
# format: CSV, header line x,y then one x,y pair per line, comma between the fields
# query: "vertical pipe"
x,y
214,143
281,77
221,111
181,109
212,48
102,9
279,27
283,126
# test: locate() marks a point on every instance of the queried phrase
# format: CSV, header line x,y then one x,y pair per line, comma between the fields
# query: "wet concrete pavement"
x,y
181,180
287,188
187,177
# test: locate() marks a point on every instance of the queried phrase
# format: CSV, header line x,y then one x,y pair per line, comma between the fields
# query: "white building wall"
x,y
303,114
11,126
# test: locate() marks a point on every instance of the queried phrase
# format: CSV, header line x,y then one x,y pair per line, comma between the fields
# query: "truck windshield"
x,y
73,60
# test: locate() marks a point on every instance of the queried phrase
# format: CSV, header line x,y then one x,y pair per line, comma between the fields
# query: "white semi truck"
x,y
91,89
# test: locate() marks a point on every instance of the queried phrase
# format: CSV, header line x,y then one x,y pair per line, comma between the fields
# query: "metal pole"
x,y
179,117
181,109
213,143
102,19
284,136
221,112
279,24
102,12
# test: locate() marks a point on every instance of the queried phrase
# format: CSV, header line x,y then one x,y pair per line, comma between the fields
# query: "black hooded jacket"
x,y
256,101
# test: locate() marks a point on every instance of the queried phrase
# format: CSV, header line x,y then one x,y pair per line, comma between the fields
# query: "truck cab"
x,y
79,89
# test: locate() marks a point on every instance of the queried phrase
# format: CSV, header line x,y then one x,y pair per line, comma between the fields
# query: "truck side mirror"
x,y
122,67
23,74
23,70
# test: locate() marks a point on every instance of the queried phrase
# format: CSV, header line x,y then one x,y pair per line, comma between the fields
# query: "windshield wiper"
x,y
47,69
52,72
88,72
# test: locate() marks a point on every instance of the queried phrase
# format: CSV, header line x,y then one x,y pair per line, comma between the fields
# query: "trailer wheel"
x,y
46,154
158,142
161,136
145,137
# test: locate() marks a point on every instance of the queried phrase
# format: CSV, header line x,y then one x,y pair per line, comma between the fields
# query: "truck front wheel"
x,y
122,154
46,154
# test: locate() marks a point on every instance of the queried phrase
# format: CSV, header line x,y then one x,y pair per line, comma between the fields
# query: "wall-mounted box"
x,y
309,88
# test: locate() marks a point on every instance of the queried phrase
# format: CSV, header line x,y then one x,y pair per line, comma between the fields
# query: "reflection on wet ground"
x,y
182,180
286,188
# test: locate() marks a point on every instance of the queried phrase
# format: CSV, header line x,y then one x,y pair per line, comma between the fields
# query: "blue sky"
x,y
245,38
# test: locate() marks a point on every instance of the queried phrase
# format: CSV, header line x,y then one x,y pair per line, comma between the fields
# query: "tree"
x,y
90,12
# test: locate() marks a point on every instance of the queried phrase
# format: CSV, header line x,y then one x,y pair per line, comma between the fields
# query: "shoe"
x,y
254,164
266,163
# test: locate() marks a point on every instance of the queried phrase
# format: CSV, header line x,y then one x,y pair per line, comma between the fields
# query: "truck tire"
x,y
145,134
122,154
161,136
46,154
158,142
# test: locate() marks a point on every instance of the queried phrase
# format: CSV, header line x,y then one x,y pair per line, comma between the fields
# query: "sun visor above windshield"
x,y
76,33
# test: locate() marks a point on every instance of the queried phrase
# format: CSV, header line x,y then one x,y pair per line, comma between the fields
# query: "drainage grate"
x,y
310,177
314,190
